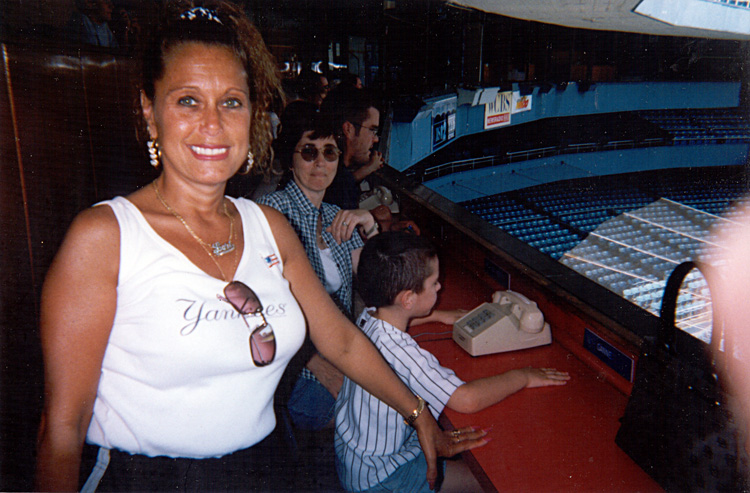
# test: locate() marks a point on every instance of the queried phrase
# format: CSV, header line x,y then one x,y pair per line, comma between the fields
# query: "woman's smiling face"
x,y
201,113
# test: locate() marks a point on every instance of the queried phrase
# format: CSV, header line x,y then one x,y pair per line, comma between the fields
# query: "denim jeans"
x,y
411,477
310,404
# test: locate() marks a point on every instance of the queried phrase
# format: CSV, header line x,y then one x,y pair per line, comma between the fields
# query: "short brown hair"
x,y
392,262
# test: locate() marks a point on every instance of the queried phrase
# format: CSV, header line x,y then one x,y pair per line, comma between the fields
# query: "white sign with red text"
x,y
497,112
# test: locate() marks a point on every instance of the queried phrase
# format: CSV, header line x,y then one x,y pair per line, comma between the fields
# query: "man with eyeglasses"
x,y
357,120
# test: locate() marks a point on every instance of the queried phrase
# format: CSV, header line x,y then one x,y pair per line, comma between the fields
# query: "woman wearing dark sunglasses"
x,y
333,240
169,315
332,237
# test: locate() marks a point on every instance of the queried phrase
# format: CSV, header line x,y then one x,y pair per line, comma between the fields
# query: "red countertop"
x,y
544,439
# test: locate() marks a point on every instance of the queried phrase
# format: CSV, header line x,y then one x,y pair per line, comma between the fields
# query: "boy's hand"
x,y
543,377
449,317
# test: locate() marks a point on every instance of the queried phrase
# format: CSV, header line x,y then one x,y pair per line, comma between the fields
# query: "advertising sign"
x,y
497,112
444,122
520,103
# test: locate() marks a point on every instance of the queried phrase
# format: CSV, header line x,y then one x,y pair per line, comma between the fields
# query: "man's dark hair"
x,y
392,262
347,104
350,80
311,86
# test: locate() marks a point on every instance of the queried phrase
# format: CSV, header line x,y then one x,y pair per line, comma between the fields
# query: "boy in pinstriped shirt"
x,y
375,449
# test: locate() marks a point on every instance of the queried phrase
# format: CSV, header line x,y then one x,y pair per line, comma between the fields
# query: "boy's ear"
x,y
405,299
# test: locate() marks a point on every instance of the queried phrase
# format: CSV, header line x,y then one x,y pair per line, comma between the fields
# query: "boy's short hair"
x,y
392,262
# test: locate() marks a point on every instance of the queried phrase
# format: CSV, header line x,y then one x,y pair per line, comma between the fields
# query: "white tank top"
x,y
177,377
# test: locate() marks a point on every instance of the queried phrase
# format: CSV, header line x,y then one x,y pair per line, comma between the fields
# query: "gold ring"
x,y
455,433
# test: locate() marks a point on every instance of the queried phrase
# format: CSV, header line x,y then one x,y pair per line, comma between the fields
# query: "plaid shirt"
x,y
303,216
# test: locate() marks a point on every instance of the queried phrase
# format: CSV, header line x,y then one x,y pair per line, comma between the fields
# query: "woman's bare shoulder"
x,y
93,239
88,261
97,222
273,216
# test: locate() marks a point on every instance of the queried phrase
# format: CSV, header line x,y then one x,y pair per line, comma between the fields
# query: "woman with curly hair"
x,y
169,315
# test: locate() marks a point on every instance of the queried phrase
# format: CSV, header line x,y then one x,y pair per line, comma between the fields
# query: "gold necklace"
x,y
218,249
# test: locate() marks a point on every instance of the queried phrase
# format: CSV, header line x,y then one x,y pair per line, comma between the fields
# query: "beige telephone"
x,y
510,322
379,196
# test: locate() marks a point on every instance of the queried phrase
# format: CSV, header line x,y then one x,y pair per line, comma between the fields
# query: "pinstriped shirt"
x,y
303,216
371,438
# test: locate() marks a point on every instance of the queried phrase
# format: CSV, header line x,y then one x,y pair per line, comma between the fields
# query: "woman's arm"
x,y
355,259
78,306
376,162
340,342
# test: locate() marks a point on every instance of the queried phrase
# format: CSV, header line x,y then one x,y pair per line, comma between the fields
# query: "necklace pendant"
x,y
222,248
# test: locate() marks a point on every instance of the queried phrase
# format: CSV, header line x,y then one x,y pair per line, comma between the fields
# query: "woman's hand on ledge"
x,y
438,443
346,221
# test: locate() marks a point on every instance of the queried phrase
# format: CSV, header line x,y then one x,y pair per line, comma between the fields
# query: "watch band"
x,y
372,229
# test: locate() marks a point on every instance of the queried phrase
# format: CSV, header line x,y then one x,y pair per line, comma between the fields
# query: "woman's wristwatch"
x,y
372,230
410,419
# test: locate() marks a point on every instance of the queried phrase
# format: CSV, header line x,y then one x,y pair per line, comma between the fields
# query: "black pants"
x,y
267,466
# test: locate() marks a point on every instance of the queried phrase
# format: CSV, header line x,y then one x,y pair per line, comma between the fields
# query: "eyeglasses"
x,y
310,153
246,302
374,130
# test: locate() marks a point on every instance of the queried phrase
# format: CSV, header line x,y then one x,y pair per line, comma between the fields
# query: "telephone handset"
x,y
380,195
510,322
